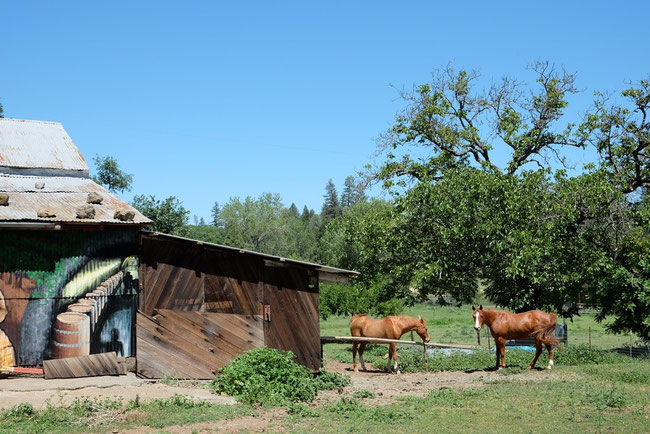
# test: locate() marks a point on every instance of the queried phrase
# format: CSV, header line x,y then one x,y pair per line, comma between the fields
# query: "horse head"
x,y
478,317
421,329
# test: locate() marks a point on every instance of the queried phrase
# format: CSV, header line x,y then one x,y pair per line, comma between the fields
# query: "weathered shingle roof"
x,y
38,148
61,195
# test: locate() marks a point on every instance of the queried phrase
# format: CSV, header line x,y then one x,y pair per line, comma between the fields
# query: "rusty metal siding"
x,y
28,144
46,273
61,195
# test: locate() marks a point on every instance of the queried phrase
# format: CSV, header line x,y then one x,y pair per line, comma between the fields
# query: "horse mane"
x,y
359,315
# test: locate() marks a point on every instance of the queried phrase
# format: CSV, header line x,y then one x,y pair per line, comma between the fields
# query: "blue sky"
x,y
210,100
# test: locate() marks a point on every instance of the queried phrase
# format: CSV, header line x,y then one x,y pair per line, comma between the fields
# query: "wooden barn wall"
x,y
294,313
178,275
170,275
193,345
232,283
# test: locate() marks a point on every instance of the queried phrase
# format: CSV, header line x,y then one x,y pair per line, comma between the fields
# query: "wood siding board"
x,y
190,329
197,364
83,366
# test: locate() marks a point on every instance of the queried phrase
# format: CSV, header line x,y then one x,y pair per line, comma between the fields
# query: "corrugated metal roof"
x,y
318,267
62,195
28,146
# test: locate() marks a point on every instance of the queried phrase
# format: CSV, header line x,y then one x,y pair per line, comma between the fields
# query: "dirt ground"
x,y
38,391
387,387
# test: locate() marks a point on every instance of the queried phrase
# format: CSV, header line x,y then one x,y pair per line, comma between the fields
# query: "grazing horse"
x,y
391,327
505,325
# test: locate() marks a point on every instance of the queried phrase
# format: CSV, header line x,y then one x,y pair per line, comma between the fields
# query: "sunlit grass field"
x,y
454,325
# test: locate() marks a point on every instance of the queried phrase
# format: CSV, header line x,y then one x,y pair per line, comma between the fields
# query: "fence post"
x,y
589,337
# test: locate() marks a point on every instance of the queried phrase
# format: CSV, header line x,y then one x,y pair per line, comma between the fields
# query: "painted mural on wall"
x,y
66,294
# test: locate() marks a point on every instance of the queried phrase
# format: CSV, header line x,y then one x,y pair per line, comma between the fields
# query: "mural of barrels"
x,y
86,310
71,335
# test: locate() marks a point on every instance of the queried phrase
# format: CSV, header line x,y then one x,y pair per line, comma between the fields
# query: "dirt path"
x,y
39,392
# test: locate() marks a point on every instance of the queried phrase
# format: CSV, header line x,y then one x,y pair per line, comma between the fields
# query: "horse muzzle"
x,y
478,329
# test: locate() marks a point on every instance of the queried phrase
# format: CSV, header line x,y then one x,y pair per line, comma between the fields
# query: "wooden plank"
x,y
92,365
295,322
189,330
187,358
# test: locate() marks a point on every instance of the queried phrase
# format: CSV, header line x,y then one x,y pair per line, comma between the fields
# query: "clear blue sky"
x,y
210,100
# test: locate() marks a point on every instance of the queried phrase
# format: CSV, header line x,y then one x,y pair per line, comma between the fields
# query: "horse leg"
x,y
394,348
549,348
362,348
501,348
500,354
390,357
354,357
538,352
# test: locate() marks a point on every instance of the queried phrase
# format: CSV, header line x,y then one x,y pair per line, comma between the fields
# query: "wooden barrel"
x,y
101,293
71,335
7,357
87,309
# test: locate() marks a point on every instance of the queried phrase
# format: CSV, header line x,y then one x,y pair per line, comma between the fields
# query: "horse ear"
x,y
473,307
421,320
480,307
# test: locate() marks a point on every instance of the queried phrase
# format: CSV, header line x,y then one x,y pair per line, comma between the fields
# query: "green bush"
x,y
363,394
270,377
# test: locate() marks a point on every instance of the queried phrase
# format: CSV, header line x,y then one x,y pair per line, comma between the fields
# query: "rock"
x,y
45,213
85,212
39,185
95,198
4,199
124,215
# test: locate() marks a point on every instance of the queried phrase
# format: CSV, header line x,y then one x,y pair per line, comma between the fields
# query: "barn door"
x,y
290,296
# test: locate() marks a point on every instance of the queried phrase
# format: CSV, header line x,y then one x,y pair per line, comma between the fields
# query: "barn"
x,y
80,275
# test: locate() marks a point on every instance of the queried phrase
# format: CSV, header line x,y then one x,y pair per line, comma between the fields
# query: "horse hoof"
x,y
356,370
530,367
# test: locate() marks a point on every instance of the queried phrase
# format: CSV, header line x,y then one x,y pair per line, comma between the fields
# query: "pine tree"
x,y
215,212
331,206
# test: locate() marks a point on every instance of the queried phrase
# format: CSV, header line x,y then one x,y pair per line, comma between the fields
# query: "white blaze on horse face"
x,y
477,326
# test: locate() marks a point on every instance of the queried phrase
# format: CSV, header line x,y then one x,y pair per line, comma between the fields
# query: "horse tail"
x,y
545,333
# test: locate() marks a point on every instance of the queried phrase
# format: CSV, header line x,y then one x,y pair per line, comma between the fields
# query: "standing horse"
x,y
505,325
391,327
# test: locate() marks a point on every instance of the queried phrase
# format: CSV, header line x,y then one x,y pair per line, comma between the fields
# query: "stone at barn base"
x,y
4,199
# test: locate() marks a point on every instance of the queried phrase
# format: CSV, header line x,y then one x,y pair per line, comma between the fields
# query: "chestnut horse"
x,y
505,325
391,327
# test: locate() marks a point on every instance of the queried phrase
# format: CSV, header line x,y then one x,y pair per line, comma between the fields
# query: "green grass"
x,y
559,404
589,397
455,325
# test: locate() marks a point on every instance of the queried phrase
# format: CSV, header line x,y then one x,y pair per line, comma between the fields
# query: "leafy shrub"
x,y
346,407
606,398
583,355
270,377
301,410
363,394
21,411
331,380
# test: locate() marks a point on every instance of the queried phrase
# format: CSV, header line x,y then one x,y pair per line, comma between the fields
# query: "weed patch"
x,y
270,377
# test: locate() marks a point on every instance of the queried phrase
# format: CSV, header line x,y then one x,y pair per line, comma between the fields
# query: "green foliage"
x,y
363,394
412,360
110,175
331,206
168,215
331,380
2,111
270,377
